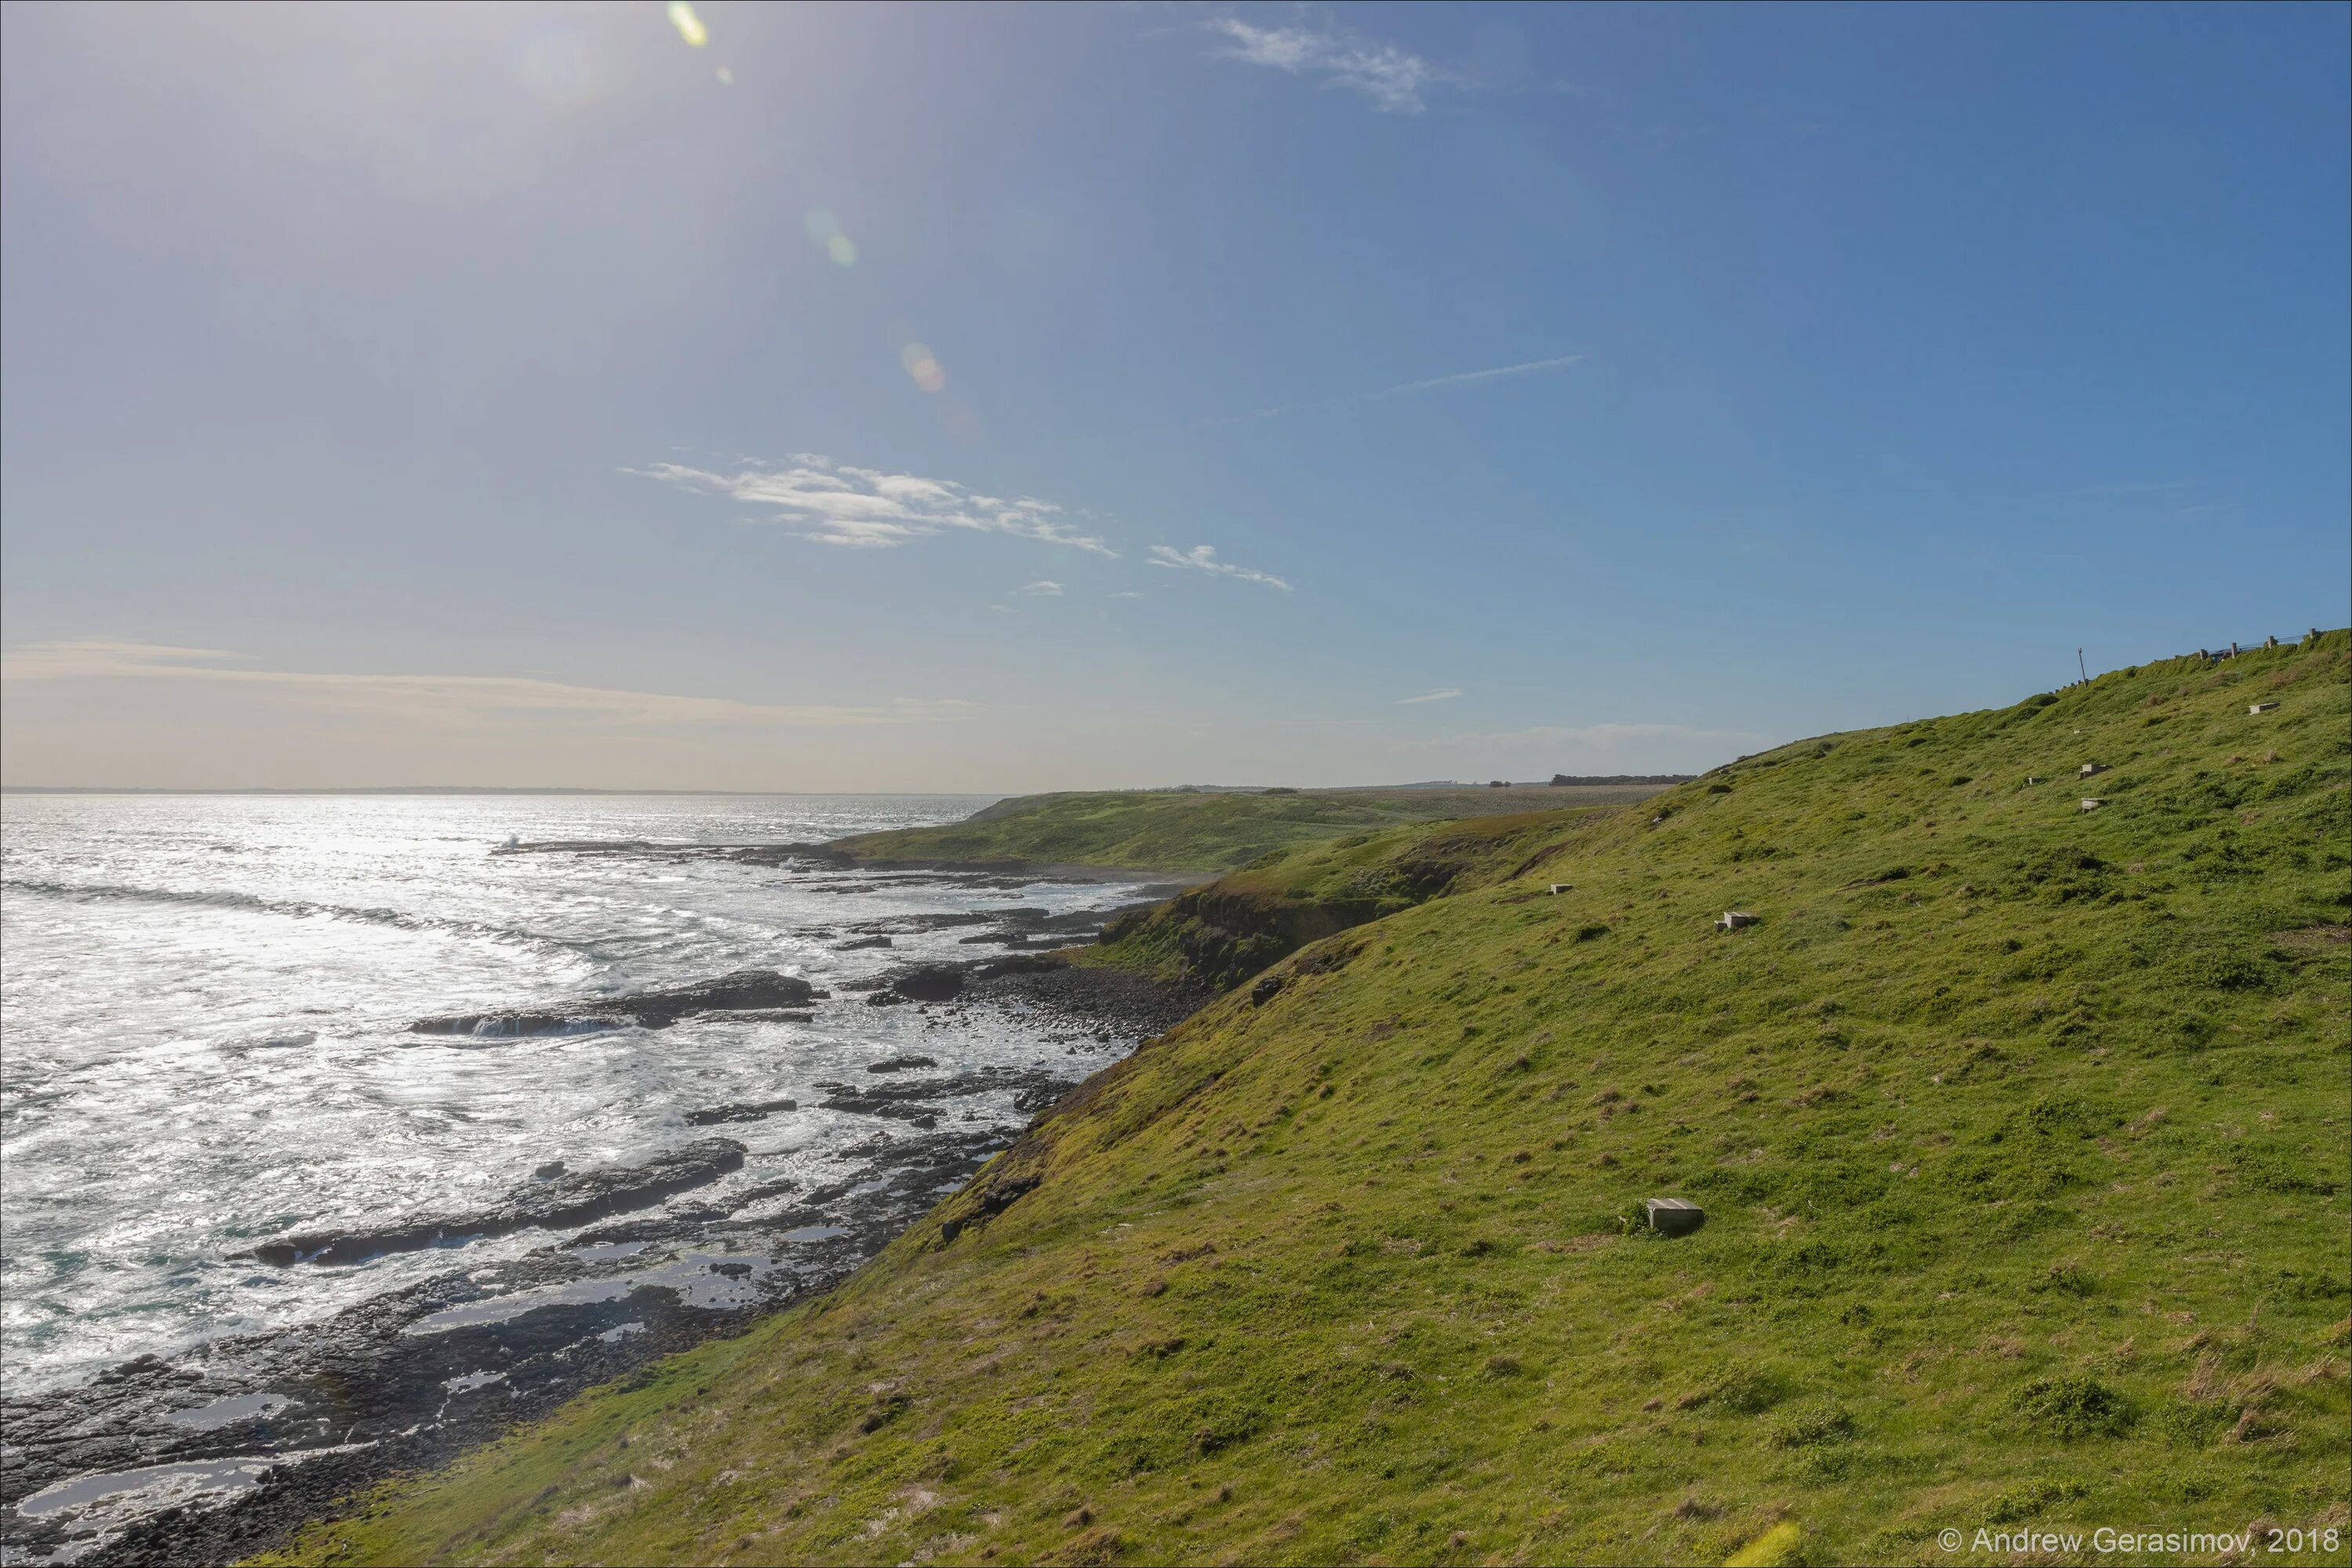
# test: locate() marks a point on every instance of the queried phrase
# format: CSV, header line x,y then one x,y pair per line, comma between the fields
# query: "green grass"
x,y
1174,830
2021,1132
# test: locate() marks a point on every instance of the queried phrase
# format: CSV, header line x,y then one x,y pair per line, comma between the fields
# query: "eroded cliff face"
x,y
1220,939
1221,934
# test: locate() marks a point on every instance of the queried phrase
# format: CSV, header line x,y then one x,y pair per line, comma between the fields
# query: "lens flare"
x,y
726,77
689,26
825,229
923,366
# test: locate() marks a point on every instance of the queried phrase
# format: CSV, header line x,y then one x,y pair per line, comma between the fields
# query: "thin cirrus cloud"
x,y
1043,588
448,699
1411,388
1394,78
1473,377
1203,558
2123,488
834,503
1450,691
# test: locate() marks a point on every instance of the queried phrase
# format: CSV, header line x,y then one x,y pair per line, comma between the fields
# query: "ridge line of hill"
x,y
1177,831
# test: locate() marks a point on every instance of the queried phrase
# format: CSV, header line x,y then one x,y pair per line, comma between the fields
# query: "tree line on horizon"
x,y
1622,778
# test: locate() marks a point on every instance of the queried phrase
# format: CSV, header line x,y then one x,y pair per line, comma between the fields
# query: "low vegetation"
x,y
1198,830
1220,934
2021,1129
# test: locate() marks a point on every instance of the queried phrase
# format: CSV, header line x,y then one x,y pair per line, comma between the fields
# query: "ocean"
x,y
204,1005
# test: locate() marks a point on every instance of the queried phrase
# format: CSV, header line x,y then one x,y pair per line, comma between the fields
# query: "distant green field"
x,y
2023,1132
1171,830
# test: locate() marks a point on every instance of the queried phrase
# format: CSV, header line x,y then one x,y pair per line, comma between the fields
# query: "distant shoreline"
x,y
756,794
467,789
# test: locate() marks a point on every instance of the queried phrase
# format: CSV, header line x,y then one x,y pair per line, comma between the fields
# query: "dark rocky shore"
x,y
248,1437
747,990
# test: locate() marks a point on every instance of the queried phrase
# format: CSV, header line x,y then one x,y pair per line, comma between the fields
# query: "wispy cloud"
x,y
1203,558
451,699
1473,377
94,656
1043,588
1409,388
1392,78
1431,696
836,504
2125,488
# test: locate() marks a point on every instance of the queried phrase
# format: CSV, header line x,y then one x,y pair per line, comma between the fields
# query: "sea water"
x,y
204,1042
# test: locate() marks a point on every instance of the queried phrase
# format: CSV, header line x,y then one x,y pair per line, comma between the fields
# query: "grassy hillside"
x,y
2021,1132
1169,830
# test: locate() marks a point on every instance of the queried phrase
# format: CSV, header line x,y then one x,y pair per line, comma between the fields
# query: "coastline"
x,y
1353,1262
240,1440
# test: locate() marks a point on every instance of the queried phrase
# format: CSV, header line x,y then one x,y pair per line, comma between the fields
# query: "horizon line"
x,y
432,789
594,789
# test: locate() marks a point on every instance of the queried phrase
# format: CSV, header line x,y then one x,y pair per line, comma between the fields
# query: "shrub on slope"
x,y
1222,933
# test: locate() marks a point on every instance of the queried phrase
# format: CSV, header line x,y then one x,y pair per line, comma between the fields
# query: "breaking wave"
x,y
292,909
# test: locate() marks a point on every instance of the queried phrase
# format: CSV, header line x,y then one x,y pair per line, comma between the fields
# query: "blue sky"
x,y
1004,399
